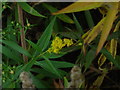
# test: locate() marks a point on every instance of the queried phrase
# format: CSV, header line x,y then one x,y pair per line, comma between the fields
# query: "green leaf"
x,y
89,19
117,58
89,57
29,9
37,82
35,46
78,26
45,38
114,35
66,83
62,17
110,57
53,55
43,73
16,47
7,52
56,64
8,84
50,67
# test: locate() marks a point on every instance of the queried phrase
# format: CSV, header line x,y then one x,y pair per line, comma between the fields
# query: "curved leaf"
x,y
107,25
79,6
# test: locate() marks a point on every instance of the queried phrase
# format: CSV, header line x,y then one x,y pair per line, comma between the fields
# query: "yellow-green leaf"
x,y
97,83
107,25
95,31
113,44
102,58
79,6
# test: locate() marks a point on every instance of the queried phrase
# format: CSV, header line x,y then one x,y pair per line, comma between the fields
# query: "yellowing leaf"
x,y
111,47
97,83
102,58
95,31
113,43
79,6
107,25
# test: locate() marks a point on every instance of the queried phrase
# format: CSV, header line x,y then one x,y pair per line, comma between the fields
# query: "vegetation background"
x,y
60,45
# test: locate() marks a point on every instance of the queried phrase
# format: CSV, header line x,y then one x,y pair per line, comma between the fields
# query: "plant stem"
x,y
22,35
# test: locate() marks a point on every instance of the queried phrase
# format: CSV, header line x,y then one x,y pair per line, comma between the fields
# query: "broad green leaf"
x,y
7,52
29,9
62,17
79,6
56,64
89,58
16,47
50,67
45,38
78,26
107,25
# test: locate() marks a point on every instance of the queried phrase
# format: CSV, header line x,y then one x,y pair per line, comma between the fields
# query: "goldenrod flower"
x,y
58,44
68,42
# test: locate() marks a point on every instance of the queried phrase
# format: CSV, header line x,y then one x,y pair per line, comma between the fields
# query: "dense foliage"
x,y
47,46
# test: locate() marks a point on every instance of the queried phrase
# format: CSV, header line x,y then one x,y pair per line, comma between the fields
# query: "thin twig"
x,y
22,35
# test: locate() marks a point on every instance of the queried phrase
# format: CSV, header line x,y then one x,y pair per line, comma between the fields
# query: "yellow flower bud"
x,y
28,24
11,72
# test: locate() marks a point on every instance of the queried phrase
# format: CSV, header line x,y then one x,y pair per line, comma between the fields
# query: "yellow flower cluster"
x,y
58,44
